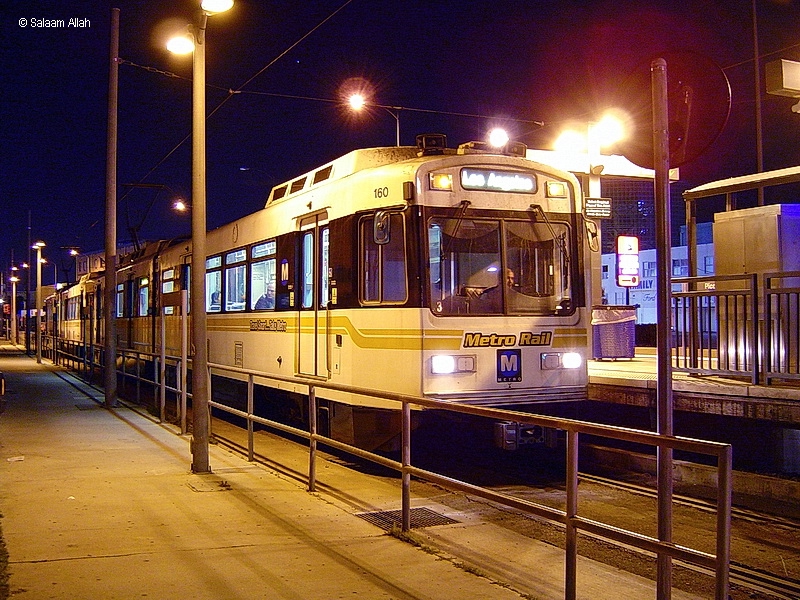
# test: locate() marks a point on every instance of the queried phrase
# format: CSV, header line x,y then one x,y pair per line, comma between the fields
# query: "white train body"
x,y
453,274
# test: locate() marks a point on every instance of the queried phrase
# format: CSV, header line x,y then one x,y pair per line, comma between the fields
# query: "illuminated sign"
x,y
597,208
509,366
627,261
498,181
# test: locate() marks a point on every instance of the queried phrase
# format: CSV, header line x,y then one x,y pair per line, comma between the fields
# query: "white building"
x,y
644,294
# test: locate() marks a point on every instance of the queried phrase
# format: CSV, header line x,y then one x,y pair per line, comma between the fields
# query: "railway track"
x,y
748,577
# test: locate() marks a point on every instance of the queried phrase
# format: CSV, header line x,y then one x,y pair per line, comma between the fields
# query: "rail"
x,y
738,325
714,323
570,518
782,334
150,369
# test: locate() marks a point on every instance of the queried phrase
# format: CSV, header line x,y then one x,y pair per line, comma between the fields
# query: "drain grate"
x,y
420,517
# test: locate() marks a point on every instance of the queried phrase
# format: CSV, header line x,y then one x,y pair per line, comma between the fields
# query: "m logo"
x,y
509,365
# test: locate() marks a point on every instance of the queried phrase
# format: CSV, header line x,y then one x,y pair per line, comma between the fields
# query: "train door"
x,y
312,346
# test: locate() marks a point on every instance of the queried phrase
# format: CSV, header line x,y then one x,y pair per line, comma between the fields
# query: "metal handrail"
x,y
570,518
573,522
706,342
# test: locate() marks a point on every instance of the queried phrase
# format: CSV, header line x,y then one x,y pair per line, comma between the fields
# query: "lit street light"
x,y
14,279
200,399
38,247
358,102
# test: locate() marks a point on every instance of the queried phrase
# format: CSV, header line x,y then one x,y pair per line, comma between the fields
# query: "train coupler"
x,y
510,436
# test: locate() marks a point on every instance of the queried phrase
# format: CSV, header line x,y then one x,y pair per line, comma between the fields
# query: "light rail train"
x,y
458,274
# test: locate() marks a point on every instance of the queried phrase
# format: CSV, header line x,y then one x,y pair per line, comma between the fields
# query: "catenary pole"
x,y
109,292
663,330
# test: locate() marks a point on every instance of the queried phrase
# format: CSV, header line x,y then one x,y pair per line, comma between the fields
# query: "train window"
x,y
143,294
308,270
167,286
235,284
383,266
262,284
214,262
324,284
235,257
213,291
498,266
120,300
262,276
262,250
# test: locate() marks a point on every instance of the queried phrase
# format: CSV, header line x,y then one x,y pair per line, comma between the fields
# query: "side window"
x,y
214,284
325,263
235,280
262,276
143,297
307,282
383,266
167,286
120,308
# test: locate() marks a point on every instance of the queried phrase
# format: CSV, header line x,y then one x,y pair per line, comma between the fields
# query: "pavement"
x,y
100,503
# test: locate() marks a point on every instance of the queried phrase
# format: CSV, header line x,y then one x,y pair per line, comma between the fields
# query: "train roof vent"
x,y
429,144
279,193
297,185
322,174
511,148
476,148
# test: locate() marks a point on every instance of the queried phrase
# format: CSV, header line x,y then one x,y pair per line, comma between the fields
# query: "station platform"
x,y
101,503
633,381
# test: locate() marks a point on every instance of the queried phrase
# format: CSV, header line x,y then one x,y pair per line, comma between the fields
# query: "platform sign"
x,y
627,261
597,208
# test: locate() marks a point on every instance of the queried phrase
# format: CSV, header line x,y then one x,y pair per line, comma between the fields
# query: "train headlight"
x,y
441,181
446,364
571,360
561,360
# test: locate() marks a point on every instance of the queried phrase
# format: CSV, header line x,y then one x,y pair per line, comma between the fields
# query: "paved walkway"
x,y
100,503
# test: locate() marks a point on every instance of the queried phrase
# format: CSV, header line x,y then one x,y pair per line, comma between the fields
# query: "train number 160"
x,y
381,192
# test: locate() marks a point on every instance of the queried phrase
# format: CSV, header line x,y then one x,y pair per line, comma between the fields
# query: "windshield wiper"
x,y
557,239
464,206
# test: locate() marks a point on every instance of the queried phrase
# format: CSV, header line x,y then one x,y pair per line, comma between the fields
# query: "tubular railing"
x,y
729,325
132,366
570,518
782,333
715,325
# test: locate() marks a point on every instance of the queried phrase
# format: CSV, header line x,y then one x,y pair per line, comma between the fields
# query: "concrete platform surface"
x,y
101,504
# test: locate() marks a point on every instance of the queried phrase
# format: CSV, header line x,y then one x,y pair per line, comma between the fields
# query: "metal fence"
x,y
153,371
570,518
732,326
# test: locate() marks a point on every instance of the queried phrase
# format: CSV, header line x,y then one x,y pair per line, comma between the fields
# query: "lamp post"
x,y
358,102
14,279
38,247
200,414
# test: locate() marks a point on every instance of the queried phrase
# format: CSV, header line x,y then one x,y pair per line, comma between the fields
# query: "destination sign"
x,y
498,181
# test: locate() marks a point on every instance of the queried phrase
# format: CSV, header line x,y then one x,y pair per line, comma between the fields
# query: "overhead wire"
x,y
230,92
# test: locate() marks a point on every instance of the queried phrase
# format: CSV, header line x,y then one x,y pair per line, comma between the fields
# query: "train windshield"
x,y
499,266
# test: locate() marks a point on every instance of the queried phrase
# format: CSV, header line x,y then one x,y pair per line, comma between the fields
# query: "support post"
x,y
663,315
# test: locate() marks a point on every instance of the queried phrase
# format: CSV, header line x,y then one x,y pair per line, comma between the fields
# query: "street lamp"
x,y
14,279
38,247
200,414
358,102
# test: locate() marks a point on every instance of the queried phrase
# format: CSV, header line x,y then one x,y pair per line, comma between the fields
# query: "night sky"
x,y
512,60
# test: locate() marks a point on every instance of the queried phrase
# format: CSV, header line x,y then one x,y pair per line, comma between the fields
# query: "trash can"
x,y
613,331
